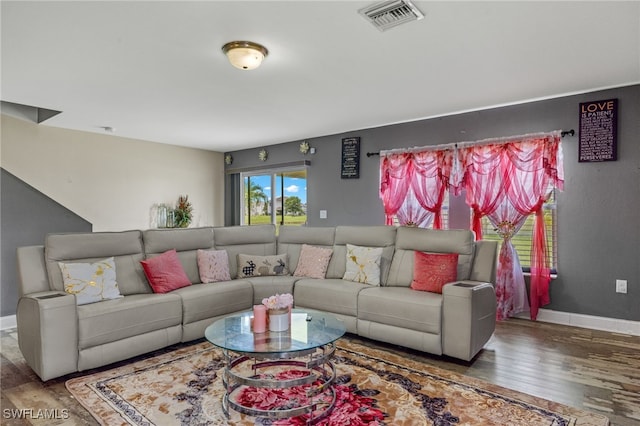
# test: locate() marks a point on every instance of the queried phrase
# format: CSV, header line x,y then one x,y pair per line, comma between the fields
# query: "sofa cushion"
x,y
113,320
186,242
213,265
255,240
433,270
363,264
330,295
87,247
203,301
410,240
91,282
165,272
251,265
268,286
368,236
313,262
401,307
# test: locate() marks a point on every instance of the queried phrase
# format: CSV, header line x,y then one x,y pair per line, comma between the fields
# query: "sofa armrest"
x,y
32,271
468,318
48,333
485,262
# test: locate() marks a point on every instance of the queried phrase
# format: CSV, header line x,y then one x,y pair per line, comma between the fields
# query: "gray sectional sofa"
x,y
58,337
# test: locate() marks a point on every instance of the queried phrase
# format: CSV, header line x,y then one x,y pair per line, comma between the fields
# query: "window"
x,y
275,196
522,240
444,214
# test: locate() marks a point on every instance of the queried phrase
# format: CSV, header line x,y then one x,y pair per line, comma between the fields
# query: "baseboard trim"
x,y
8,322
612,325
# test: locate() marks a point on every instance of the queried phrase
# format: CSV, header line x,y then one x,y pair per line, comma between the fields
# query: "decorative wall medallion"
x,y
304,147
263,154
228,159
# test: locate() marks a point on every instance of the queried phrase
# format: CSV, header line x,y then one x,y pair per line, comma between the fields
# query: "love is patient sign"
x,y
598,131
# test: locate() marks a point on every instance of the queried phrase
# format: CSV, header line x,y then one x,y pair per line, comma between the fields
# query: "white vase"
x,y
278,319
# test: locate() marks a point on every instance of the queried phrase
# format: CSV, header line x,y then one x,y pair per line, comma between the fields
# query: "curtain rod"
x,y
563,133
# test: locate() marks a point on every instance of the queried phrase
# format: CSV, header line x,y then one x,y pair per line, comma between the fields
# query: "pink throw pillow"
x,y
313,262
213,265
165,272
431,271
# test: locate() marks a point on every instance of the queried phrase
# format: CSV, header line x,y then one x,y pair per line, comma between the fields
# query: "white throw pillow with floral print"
x,y
363,264
91,282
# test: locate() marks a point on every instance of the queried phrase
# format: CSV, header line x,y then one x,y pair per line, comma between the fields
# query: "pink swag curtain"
x,y
506,181
413,184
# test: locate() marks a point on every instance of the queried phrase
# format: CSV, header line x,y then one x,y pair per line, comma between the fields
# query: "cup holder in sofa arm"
x,y
468,318
465,285
51,296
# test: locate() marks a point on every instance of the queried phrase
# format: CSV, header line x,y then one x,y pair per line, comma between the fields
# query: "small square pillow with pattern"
x,y
363,264
313,262
431,271
91,282
213,265
250,265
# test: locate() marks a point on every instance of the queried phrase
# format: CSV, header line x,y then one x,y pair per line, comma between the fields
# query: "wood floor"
x,y
588,369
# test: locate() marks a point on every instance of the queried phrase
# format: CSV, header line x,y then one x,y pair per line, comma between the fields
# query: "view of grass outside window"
x,y
522,240
278,197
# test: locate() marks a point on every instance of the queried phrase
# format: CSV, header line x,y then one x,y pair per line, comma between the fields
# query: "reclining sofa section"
x,y
57,336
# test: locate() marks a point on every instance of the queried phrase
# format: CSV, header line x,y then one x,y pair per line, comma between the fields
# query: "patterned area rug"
x,y
375,387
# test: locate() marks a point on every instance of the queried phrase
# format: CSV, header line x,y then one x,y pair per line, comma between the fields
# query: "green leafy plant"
x,y
183,212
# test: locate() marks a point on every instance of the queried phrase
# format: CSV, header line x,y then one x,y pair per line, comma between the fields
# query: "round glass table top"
x,y
309,329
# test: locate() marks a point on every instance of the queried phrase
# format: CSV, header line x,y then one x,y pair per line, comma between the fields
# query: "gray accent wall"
x,y
598,214
27,216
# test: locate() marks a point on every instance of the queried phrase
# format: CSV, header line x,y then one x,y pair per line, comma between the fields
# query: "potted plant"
x,y
183,212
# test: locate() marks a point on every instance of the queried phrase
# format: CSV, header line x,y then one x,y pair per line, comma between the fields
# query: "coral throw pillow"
x,y
431,271
313,262
91,282
165,272
213,265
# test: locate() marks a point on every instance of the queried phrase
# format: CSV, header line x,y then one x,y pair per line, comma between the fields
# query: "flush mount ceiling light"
x,y
245,55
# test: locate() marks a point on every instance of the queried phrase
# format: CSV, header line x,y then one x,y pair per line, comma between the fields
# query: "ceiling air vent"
x,y
389,14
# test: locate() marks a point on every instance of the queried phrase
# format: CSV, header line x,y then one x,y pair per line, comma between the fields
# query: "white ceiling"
x,y
155,71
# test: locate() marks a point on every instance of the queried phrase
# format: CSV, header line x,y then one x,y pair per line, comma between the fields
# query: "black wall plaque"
x,y
350,158
597,137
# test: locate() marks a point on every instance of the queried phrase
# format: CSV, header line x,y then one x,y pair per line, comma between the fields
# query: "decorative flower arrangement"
x,y
183,212
279,301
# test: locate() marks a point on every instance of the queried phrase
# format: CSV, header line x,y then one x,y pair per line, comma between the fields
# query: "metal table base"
x,y
321,371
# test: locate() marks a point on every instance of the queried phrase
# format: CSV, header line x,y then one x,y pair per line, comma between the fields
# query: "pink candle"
x,y
259,318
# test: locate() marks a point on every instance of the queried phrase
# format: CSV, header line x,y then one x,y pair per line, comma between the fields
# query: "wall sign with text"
x,y
350,158
597,137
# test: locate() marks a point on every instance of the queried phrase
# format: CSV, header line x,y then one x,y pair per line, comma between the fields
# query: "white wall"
x,y
110,181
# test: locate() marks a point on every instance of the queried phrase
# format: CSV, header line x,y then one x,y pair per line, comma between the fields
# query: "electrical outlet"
x,y
621,286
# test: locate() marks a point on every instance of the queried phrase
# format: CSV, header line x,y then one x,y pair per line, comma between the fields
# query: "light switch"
x,y
323,214
621,286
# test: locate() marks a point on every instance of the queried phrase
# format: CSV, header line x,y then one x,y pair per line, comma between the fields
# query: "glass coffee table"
x,y
250,359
